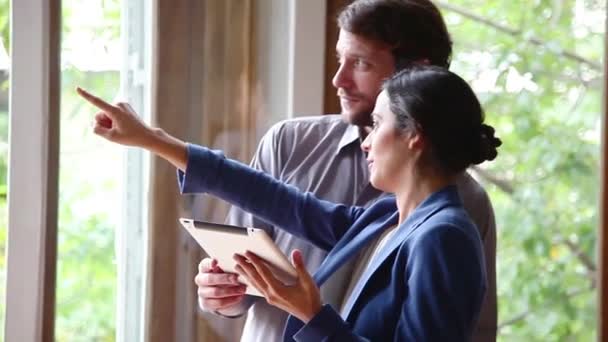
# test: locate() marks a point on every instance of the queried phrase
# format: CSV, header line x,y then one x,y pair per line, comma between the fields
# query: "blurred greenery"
x,y
89,176
86,272
536,66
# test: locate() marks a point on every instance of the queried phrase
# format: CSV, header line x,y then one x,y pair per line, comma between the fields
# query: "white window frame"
x,y
33,170
306,57
290,61
132,235
602,252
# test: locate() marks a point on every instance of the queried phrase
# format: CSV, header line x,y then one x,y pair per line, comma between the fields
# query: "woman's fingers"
x,y
96,101
102,131
301,300
264,271
103,120
297,261
304,278
118,123
246,269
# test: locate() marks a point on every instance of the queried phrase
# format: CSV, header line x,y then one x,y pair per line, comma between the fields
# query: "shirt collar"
x,y
351,134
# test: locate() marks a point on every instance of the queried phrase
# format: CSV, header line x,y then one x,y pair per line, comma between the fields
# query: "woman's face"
x,y
389,151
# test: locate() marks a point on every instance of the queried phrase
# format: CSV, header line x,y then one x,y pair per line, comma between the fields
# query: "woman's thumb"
x,y
298,261
303,275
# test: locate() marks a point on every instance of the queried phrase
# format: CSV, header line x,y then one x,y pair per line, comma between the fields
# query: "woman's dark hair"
x,y
413,28
442,107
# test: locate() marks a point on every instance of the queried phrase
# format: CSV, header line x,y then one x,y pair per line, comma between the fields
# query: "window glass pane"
x,y
4,94
537,66
90,172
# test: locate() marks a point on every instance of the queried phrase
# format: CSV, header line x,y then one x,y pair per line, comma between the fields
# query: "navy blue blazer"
x,y
426,284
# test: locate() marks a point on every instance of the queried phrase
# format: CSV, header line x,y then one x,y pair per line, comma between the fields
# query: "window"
x,y
90,175
95,54
4,82
537,69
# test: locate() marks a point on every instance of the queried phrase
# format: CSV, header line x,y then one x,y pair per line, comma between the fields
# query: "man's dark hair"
x,y
413,28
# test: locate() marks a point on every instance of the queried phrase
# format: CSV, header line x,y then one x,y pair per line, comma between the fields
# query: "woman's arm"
x,y
302,214
120,124
321,222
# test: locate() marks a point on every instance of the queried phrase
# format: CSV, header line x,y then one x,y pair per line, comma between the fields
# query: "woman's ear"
x,y
416,141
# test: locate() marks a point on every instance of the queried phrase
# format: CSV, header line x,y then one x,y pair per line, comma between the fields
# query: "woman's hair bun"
x,y
488,143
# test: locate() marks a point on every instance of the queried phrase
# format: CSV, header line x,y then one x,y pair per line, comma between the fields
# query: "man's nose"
x,y
342,78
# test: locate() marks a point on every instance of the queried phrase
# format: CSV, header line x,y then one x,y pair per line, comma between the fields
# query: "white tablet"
x,y
222,241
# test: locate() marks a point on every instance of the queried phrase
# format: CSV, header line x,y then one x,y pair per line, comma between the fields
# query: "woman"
x,y
420,268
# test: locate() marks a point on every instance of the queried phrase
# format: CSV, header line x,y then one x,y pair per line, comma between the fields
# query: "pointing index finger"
x,y
96,101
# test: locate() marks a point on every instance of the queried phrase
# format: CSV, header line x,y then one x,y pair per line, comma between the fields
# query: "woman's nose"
x,y
366,144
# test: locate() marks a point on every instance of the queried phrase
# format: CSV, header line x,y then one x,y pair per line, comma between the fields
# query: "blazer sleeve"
x,y
267,159
327,325
446,282
321,222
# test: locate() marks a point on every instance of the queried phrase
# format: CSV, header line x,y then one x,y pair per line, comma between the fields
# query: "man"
x,y
322,155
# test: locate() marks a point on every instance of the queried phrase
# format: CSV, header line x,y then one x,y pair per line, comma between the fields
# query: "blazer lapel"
x,y
427,209
358,236
351,244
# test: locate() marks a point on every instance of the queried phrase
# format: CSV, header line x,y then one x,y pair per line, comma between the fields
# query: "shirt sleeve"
x,y
479,207
488,317
266,160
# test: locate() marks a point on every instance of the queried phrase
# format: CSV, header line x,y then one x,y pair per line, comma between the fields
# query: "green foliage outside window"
x,y
540,66
89,177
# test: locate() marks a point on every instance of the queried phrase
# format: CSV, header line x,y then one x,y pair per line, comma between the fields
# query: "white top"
x,y
365,260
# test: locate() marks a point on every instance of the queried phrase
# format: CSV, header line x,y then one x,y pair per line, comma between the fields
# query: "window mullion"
x,y
33,170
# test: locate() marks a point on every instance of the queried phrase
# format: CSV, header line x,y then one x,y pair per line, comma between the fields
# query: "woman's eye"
x,y
361,63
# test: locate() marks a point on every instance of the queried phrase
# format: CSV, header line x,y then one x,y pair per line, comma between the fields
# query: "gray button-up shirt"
x,y
322,155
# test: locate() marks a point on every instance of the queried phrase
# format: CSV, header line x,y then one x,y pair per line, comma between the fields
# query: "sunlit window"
x,y
537,67
4,87
90,175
